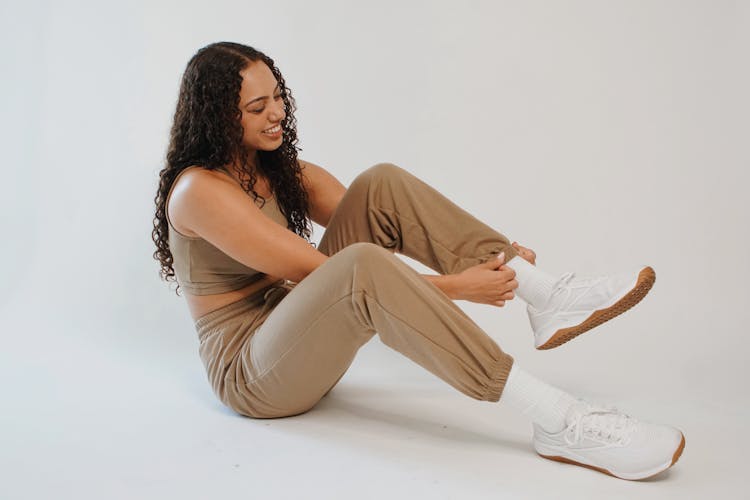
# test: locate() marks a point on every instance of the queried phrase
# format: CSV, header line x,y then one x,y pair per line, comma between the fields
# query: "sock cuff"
x,y
534,285
543,403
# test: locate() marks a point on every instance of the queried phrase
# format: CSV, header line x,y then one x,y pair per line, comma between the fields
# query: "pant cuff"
x,y
499,375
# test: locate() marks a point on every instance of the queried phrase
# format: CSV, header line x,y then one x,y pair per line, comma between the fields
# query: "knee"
x,y
385,169
362,251
361,263
379,172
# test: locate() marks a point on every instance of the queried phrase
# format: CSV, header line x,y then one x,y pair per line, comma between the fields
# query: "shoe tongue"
x,y
565,278
582,407
578,409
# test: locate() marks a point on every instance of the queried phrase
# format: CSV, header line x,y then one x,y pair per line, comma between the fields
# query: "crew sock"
x,y
541,402
534,285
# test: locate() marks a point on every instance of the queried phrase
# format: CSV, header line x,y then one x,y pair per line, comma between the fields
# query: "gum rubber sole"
x,y
675,457
646,279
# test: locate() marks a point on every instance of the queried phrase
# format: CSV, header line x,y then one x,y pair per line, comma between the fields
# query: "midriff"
x,y
200,305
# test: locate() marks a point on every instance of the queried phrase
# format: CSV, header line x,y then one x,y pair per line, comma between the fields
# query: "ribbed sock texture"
x,y
534,285
542,403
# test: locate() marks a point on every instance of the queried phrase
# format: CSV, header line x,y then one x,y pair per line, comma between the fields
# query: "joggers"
x,y
278,352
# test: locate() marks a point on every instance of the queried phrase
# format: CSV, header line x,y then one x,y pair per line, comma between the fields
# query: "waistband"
x,y
253,300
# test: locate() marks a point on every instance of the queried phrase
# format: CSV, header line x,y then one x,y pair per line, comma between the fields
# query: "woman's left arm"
x,y
323,189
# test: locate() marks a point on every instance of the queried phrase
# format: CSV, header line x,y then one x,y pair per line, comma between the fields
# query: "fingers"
x,y
501,258
508,274
526,253
495,263
510,295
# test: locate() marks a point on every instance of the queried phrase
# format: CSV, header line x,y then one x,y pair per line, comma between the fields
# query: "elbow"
x,y
297,277
305,271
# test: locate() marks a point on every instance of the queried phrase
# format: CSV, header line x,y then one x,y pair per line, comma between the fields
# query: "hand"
x,y
525,253
488,283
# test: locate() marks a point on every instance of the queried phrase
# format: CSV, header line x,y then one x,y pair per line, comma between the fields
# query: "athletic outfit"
x,y
278,351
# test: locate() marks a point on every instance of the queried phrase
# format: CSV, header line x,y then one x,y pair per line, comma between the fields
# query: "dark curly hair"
x,y
207,131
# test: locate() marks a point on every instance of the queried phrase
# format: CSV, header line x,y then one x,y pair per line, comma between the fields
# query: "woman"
x,y
280,321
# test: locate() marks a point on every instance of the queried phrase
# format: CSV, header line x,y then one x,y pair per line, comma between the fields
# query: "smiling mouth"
x,y
273,130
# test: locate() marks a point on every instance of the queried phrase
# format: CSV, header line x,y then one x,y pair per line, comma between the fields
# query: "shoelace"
x,y
566,278
561,283
602,423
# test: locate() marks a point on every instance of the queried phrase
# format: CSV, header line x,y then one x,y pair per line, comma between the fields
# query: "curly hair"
x,y
207,131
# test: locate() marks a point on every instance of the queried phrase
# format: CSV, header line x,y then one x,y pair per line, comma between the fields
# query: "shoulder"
x,y
199,172
194,186
309,172
310,169
325,191
197,179
315,176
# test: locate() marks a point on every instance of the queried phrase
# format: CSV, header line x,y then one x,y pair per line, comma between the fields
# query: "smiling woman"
x,y
255,110
222,81
279,322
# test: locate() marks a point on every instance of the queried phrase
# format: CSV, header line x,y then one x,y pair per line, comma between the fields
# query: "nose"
x,y
278,112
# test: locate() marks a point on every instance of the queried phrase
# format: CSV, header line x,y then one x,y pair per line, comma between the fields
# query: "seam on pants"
x,y
441,245
301,335
461,361
299,339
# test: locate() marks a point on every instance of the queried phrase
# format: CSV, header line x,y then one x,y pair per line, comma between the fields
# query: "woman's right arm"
x,y
219,211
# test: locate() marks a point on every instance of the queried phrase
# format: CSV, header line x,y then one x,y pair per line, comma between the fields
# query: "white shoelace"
x,y
562,282
566,278
601,423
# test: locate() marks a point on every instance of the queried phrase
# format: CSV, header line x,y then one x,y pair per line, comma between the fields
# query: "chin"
x,y
279,142
266,147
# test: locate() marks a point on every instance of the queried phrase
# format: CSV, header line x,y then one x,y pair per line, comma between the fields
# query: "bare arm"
x,y
323,190
225,216
220,212
444,282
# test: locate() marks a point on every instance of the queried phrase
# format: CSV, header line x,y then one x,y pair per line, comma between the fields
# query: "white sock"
x,y
542,403
534,285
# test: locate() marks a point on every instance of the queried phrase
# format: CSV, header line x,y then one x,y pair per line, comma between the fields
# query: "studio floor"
x,y
118,427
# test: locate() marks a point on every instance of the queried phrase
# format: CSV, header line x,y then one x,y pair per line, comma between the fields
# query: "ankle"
x,y
535,286
542,403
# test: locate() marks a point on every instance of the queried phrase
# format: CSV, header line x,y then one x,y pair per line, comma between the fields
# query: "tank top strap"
x,y
226,172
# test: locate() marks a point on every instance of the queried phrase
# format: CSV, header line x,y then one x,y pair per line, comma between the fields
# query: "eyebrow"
x,y
260,98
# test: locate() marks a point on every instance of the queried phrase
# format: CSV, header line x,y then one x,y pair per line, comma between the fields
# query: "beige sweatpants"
x,y
278,352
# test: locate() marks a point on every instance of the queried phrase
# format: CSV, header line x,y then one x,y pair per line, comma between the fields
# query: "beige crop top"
x,y
203,269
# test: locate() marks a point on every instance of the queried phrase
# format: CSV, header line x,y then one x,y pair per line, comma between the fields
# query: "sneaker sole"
x,y
628,477
646,279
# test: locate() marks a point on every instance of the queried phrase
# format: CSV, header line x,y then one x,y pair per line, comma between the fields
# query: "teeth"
x,y
273,130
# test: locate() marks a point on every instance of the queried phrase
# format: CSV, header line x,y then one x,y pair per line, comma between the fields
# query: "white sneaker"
x,y
609,441
578,305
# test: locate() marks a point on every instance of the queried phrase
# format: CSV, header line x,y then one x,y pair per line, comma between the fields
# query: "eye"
x,y
256,111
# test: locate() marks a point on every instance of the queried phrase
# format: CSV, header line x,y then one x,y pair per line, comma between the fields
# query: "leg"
x,y
310,338
388,206
392,208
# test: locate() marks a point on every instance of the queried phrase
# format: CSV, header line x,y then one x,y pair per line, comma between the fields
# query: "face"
x,y
262,108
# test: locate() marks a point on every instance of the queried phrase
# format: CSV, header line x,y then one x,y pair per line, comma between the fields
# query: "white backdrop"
x,y
601,134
